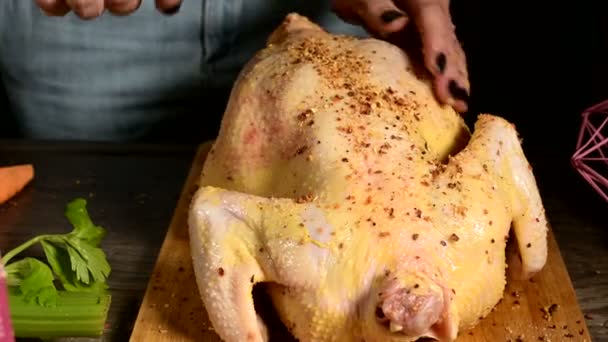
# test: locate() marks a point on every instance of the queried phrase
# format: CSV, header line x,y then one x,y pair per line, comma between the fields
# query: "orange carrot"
x,y
13,179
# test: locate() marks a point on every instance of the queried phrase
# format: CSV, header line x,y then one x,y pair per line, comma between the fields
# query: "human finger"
x,y
122,7
86,9
379,17
442,52
53,7
168,6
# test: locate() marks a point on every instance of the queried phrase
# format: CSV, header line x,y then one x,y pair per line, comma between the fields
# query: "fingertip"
x,y
122,7
391,15
90,15
458,96
53,7
460,106
441,91
168,7
446,93
457,91
87,9
381,16
386,22
395,25
46,5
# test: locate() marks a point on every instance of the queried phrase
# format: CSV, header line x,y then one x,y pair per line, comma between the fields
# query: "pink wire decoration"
x,y
590,158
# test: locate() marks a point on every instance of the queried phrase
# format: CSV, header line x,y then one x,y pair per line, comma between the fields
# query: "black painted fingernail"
x,y
458,92
390,16
172,10
441,61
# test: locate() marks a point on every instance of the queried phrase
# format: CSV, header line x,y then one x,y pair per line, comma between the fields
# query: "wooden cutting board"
x,y
542,309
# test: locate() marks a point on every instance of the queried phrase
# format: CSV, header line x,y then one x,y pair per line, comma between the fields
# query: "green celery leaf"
x,y
84,229
76,261
94,261
59,259
86,258
97,263
35,281
79,264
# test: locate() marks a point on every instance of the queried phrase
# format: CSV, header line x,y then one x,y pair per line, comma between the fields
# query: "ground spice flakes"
x,y
305,198
346,71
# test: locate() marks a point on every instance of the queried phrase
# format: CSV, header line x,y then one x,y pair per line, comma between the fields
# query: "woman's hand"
x,y
442,52
89,9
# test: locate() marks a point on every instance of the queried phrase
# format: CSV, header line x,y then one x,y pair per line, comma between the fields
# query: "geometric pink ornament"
x,y
591,156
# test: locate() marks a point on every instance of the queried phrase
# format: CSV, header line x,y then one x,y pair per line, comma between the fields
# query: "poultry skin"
x,y
369,210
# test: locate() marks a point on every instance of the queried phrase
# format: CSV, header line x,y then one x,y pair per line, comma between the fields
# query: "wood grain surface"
x,y
131,191
542,309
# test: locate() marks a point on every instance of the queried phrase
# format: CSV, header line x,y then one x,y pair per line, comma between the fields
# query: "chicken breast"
x,y
369,209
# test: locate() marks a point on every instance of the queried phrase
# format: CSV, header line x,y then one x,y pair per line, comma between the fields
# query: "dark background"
x,y
538,64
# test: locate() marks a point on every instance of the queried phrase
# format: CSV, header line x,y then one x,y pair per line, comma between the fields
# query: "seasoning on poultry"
x,y
344,270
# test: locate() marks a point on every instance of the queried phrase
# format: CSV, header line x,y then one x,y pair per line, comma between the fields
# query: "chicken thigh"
x,y
368,209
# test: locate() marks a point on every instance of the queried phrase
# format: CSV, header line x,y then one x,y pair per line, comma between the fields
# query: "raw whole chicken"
x,y
368,209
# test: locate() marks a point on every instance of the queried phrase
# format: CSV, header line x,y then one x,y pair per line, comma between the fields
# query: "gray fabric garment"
x,y
126,78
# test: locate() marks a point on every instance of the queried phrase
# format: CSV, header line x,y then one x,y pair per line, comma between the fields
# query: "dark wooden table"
x,y
133,189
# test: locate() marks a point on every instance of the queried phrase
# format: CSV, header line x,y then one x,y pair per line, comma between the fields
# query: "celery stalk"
x,y
77,314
